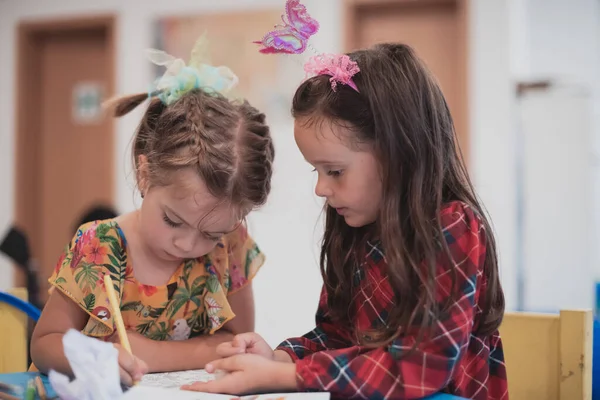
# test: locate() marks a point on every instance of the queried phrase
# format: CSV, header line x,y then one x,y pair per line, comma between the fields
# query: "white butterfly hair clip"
x,y
180,78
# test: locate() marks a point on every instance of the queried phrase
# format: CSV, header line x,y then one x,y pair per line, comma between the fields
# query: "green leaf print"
x,y
155,312
198,320
187,269
115,248
196,300
186,295
198,286
192,322
118,263
90,302
102,230
87,276
68,259
180,298
250,256
123,269
199,280
143,328
122,258
227,280
132,305
161,332
113,261
110,239
111,269
60,280
213,284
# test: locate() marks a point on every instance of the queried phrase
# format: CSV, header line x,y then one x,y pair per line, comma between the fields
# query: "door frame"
x,y
351,16
28,93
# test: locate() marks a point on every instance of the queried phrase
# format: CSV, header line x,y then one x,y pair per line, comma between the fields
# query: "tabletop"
x,y
21,379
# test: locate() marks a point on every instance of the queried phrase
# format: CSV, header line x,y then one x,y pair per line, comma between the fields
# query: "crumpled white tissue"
x,y
95,365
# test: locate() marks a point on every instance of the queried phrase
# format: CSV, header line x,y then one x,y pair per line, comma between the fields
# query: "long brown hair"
x,y
401,113
228,143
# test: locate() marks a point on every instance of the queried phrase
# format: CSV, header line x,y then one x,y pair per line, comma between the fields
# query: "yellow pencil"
x,y
40,388
116,312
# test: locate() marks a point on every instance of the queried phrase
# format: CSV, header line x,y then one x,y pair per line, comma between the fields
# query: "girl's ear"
x,y
142,175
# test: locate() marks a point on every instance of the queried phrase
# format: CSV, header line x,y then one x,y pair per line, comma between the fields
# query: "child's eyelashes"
x,y
213,238
334,173
174,224
170,222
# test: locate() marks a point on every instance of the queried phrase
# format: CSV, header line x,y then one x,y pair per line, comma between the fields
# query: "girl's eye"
x,y
170,222
213,238
335,174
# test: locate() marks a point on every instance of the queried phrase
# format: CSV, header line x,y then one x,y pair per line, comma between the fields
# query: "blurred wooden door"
x,y
436,29
64,144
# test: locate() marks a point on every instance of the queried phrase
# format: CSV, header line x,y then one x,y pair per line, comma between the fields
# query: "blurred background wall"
x,y
530,123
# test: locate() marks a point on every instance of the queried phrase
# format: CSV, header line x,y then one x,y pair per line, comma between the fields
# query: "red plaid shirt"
x,y
451,359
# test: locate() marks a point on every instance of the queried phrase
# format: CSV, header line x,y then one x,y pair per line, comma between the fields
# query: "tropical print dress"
x,y
193,302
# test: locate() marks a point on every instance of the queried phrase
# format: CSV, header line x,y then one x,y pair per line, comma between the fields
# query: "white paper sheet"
x,y
176,379
142,392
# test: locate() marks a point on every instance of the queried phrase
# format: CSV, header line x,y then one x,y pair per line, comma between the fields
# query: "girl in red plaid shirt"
x,y
411,301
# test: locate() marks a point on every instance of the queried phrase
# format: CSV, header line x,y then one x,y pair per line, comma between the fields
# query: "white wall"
x,y
558,244
491,106
560,41
287,288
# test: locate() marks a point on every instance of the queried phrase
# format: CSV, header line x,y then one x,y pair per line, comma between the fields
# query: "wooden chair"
x,y
548,356
13,335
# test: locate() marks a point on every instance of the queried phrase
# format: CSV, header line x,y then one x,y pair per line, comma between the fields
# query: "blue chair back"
x,y
32,311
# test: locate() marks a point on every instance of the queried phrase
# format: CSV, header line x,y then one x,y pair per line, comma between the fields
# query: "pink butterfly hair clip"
x,y
291,37
339,67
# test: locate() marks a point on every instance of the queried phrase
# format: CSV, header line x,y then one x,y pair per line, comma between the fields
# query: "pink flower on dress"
x,y
237,276
100,282
147,289
82,240
94,252
60,262
129,277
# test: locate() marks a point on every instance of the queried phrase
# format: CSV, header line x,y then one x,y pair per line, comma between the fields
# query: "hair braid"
x,y
227,143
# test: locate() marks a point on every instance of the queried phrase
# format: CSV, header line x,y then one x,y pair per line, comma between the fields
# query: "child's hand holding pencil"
x,y
131,368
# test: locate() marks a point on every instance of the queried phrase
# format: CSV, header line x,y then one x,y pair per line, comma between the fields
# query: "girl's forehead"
x,y
321,132
189,198
324,139
204,212
186,182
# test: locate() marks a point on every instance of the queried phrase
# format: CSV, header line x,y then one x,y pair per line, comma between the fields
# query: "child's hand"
x,y
131,368
250,342
248,373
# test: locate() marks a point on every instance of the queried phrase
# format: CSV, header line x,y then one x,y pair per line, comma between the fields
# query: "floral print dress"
x,y
193,302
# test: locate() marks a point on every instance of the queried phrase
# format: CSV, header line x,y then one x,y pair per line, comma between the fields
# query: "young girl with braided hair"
x,y
182,264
